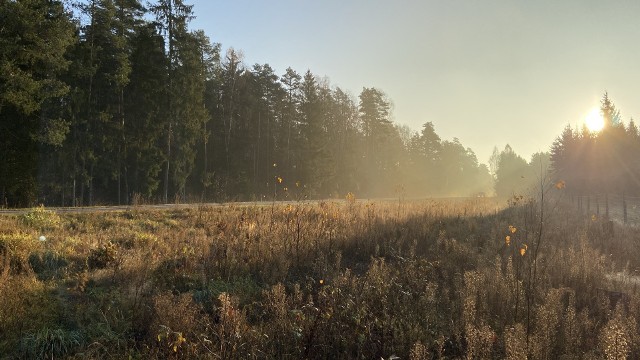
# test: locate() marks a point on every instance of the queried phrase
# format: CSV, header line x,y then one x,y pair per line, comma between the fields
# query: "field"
x,y
444,279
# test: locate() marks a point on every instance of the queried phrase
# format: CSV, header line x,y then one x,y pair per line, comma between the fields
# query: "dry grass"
x,y
423,279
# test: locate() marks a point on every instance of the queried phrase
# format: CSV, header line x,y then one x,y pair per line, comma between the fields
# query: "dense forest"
x,y
120,102
113,101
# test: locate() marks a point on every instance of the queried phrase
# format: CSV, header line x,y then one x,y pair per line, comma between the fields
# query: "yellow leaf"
x,y
507,240
523,249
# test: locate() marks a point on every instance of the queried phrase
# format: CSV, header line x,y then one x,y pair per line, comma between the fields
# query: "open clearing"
x,y
334,279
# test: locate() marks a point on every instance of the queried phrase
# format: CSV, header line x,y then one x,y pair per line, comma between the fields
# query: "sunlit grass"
x,y
344,278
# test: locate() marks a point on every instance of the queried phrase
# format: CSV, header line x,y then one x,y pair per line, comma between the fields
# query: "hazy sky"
x,y
488,72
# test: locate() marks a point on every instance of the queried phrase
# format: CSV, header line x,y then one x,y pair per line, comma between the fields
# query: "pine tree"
x,y
426,157
266,128
610,114
211,67
290,124
172,18
189,112
34,37
374,113
145,111
563,157
312,135
348,147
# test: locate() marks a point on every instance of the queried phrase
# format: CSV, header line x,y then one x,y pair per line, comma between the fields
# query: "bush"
x,y
103,256
15,250
41,219
47,265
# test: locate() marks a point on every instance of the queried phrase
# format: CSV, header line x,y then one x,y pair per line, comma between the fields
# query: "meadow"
x,y
474,278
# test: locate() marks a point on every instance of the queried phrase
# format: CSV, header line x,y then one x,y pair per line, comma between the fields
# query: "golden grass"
x,y
336,279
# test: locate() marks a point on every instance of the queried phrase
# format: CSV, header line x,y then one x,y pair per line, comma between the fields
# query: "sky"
x,y
488,72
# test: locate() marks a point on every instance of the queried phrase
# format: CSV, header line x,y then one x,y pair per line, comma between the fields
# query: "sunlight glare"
x,y
594,120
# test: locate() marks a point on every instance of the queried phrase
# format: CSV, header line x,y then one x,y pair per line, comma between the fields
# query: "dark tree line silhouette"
x,y
607,161
113,101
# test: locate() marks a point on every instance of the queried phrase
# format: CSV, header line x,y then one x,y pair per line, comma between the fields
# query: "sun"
x,y
594,120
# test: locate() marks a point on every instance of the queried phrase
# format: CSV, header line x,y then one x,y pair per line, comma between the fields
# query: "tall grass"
x,y
345,279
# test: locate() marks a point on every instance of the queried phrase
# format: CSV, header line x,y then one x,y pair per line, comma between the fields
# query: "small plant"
x,y
137,199
47,265
49,343
173,339
419,352
350,198
40,218
15,250
515,342
178,324
103,256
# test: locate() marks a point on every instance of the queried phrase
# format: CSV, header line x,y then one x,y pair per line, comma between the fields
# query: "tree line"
x,y
599,162
110,101
113,102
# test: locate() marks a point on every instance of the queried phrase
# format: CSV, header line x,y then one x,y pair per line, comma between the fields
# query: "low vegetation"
x,y
446,279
